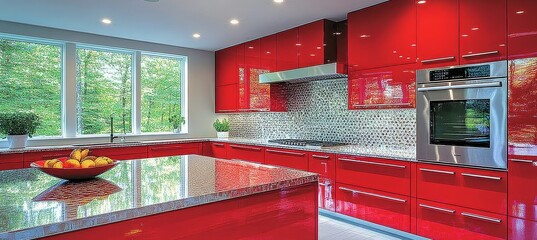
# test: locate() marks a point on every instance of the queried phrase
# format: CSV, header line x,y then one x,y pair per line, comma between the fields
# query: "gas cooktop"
x,y
306,143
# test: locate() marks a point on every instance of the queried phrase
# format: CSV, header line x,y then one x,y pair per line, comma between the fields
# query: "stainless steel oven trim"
x,y
497,69
494,157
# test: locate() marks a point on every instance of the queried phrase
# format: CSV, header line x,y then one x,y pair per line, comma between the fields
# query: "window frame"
x,y
68,86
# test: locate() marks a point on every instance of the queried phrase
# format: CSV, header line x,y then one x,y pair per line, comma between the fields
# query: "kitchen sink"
x,y
103,144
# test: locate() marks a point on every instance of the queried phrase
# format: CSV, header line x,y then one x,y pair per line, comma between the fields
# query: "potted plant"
x,y
18,126
222,128
177,122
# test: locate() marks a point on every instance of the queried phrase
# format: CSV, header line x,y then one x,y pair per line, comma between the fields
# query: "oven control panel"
x,y
478,71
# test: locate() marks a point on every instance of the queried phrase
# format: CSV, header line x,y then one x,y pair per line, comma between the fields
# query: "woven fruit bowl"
x,y
76,167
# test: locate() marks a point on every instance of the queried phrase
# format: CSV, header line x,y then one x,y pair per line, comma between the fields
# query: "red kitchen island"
x,y
179,197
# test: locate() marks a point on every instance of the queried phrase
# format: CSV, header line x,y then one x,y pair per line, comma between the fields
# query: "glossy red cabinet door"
x,y
382,35
388,209
225,66
522,28
215,149
30,157
520,229
438,33
268,53
522,138
483,31
287,158
464,187
311,40
325,165
227,98
121,153
374,173
164,150
287,46
11,161
389,87
443,221
246,153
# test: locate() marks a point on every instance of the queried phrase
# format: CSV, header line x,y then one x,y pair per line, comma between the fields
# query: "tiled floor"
x,y
331,229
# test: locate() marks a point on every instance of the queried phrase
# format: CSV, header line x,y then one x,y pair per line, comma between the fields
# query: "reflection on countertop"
x,y
33,204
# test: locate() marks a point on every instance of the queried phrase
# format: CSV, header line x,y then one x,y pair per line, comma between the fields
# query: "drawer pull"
x,y
436,171
319,156
169,148
437,208
520,160
372,163
480,54
373,195
245,148
218,144
437,59
51,156
481,217
481,176
286,153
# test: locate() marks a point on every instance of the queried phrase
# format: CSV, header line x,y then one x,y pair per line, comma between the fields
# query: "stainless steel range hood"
x,y
314,73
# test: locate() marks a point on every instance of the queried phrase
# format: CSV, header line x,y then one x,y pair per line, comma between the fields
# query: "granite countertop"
x,y
398,153
33,204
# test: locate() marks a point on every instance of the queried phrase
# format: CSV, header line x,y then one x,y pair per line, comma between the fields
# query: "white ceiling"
x,y
173,22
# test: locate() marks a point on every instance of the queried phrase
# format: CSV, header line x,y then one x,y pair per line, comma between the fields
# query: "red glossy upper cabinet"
x,y
483,30
268,46
388,87
522,28
258,94
226,98
438,33
225,66
287,45
382,35
317,43
342,46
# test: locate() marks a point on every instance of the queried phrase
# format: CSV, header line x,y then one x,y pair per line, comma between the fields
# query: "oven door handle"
x,y
462,86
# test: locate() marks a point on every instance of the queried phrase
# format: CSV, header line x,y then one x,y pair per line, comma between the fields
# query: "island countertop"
x,y
33,204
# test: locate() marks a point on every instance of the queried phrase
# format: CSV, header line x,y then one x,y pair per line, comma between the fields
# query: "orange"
x,y
87,164
71,163
58,164
100,162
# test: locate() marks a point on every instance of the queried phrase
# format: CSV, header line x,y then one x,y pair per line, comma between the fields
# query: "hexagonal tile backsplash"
x,y
318,110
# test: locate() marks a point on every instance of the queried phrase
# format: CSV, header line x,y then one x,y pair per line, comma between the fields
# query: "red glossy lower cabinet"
x,y
387,175
246,153
11,161
523,188
388,209
443,221
324,164
30,157
287,158
215,149
173,149
121,153
521,229
467,187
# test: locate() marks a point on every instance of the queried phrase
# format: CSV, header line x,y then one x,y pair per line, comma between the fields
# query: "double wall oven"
x,y
462,115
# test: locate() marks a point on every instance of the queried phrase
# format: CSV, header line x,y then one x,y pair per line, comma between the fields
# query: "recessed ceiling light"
x,y
234,21
278,1
196,35
106,21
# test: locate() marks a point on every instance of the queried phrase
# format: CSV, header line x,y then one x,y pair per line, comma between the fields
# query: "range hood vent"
x,y
307,74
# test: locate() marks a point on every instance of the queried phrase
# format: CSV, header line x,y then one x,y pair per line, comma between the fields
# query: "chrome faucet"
x,y
112,137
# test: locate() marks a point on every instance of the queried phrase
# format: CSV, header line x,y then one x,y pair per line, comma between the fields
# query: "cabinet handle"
x,y
286,153
218,144
325,167
437,59
322,184
436,171
372,163
381,104
481,217
437,208
226,110
481,176
373,195
319,156
51,156
520,160
245,148
480,54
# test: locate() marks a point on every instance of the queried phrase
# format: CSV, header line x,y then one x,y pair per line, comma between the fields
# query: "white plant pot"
x,y
222,134
17,141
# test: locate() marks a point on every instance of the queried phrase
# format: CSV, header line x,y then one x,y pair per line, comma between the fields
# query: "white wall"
x,y
200,79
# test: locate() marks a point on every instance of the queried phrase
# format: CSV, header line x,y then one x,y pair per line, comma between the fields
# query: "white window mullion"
x,y
137,93
69,91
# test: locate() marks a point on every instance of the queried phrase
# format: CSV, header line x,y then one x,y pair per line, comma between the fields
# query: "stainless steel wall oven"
x,y
462,115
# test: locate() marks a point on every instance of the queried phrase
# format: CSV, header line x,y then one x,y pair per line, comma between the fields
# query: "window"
x,y
161,78
30,80
104,90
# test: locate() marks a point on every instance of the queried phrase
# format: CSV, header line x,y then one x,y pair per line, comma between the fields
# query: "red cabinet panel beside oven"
x,y
522,28
521,229
389,87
